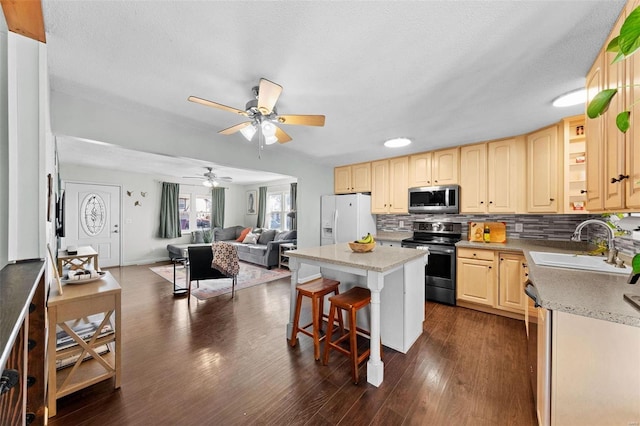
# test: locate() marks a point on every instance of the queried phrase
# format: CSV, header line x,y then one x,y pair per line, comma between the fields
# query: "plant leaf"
x,y
635,264
600,103
619,57
614,45
622,121
629,39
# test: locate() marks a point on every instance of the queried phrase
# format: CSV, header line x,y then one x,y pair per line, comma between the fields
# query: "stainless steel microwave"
x,y
435,199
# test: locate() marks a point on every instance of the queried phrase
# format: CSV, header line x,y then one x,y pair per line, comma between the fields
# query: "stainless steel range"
x,y
440,272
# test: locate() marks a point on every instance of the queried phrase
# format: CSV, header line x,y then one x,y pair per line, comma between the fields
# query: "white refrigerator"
x,y
345,218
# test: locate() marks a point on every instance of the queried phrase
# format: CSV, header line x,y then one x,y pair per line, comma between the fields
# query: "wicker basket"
x,y
362,247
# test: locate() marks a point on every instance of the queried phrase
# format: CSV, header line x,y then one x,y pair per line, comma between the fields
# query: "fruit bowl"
x,y
362,247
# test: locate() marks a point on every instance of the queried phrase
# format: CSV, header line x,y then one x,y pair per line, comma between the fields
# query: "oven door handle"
x,y
531,291
441,251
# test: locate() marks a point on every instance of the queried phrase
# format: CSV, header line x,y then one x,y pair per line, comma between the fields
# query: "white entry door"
x,y
92,218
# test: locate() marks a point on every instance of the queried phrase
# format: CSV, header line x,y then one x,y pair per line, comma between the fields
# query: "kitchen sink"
x,y
576,261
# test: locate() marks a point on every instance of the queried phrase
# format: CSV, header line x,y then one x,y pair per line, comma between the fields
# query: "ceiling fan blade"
x,y
268,94
216,105
302,120
224,179
282,136
231,130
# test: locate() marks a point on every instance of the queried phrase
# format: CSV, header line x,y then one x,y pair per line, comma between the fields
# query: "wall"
x,y
4,144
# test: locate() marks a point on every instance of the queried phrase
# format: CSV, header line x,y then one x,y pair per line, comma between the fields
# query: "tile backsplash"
x,y
541,227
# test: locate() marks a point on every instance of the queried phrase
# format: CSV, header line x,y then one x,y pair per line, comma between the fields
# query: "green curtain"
x,y
217,208
294,206
262,206
169,214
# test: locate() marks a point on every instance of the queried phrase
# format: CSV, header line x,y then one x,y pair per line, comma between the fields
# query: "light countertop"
x,y
381,259
591,294
395,236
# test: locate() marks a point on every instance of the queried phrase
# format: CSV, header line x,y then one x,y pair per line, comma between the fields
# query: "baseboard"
x,y
145,261
489,310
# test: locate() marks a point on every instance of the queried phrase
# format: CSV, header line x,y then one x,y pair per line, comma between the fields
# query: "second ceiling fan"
x,y
263,115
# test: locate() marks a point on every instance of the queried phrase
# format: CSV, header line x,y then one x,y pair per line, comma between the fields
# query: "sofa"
x,y
265,251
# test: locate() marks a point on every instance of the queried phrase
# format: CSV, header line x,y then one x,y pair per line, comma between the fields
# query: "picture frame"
x,y
252,202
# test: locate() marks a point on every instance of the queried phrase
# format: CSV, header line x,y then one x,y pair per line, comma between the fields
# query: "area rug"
x,y
249,276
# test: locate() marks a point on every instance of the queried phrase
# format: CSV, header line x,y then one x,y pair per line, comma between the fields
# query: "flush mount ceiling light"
x,y
575,97
397,142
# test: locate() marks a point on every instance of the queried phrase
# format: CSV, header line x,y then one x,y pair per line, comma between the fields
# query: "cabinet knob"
x,y
490,202
435,181
489,267
583,191
428,181
501,259
552,199
481,202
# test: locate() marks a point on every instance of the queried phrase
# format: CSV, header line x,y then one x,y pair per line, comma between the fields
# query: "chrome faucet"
x,y
612,253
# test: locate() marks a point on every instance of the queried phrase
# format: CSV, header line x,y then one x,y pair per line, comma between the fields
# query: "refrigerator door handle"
x,y
335,227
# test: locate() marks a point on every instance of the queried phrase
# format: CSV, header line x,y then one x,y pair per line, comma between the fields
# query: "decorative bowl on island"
x,y
362,247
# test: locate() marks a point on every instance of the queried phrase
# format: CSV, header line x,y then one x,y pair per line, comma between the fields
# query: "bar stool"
x,y
316,290
350,301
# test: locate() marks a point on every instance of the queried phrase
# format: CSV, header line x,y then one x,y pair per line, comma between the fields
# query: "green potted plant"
x,y
624,45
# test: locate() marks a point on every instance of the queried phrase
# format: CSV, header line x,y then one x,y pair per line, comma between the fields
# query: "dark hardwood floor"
x,y
227,362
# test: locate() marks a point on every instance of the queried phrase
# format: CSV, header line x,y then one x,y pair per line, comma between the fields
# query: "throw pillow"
x,y
243,234
267,236
197,237
250,239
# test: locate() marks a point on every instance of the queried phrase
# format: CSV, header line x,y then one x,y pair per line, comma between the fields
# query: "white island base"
x,y
395,277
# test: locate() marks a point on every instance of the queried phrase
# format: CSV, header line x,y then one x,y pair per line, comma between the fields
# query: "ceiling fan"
x,y
263,115
211,179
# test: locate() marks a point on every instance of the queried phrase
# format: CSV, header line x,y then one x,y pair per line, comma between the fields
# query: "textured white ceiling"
x,y
443,73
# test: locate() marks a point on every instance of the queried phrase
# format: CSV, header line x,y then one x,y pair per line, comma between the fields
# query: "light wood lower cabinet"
x,y
477,276
511,279
492,279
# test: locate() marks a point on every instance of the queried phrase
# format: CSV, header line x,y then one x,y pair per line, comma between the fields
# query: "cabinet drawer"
x,y
476,254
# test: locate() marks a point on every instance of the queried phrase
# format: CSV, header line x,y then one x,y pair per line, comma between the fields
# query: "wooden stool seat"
x,y
316,290
350,301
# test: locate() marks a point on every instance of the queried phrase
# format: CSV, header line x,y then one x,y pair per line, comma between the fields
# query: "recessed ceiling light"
x,y
572,98
397,142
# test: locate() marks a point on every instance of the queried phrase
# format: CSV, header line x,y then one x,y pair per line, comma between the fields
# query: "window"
x,y
278,204
195,211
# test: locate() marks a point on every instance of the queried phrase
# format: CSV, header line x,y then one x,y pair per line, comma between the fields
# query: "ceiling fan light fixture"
x,y
248,132
397,142
572,98
270,140
208,183
268,128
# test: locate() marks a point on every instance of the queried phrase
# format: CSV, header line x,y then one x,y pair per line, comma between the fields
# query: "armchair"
x,y
213,262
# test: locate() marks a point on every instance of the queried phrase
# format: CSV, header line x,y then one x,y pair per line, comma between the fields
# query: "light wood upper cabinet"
x,y
544,173
389,186
506,175
420,170
445,165
492,177
613,157
595,139
473,178
352,178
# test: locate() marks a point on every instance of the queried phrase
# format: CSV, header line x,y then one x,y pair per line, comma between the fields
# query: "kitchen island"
x,y
395,277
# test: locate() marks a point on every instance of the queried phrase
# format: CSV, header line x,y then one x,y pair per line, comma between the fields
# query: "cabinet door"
x,y
511,280
342,180
380,187
633,134
445,166
473,178
361,177
543,165
398,187
614,138
420,170
505,176
594,131
476,281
